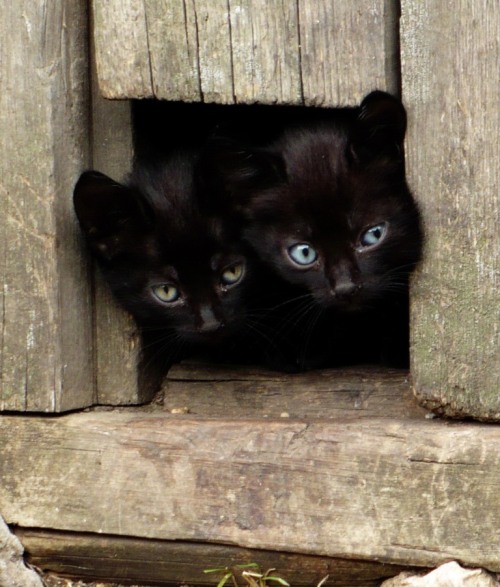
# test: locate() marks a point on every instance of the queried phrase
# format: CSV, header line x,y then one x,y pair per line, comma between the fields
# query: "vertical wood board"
x,y
117,342
45,338
120,28
450,74
226,51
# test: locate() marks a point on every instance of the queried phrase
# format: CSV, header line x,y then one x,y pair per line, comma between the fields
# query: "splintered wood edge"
x,y
128,559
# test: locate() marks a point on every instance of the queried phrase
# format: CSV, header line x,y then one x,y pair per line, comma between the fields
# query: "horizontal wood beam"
x,y
236,391
397,491
114,558
245,51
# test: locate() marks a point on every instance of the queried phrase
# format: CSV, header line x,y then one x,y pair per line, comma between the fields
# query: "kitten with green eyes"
x,y
326,207
179,272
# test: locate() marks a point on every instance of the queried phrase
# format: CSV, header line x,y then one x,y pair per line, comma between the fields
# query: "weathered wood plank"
x,y
120,28
450,85
347,50
229,391
46,338
403,492
173,48
117,340
183,563
268,51
265,51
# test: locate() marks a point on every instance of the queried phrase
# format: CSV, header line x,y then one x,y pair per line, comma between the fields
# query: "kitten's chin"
x,y
340,304
200,338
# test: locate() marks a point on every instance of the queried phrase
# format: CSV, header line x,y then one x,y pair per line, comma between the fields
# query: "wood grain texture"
x,y
45,337
182,563
120,28
267,51
240,392
402,492
346,50
450,78
117,340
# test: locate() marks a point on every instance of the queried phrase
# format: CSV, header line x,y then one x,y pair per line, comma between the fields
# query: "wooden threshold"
x,y
238,392
405,492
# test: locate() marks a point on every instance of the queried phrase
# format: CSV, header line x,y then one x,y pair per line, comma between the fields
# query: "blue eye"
x,y
166,293
302,254
373,236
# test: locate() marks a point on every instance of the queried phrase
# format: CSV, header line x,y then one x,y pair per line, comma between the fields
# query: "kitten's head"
x,y
168,265
328,206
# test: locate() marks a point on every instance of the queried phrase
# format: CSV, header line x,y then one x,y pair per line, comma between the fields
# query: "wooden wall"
x,y
366,476
57,354
46,333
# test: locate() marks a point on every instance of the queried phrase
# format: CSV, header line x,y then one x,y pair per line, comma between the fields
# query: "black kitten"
x,y
177,271
327,207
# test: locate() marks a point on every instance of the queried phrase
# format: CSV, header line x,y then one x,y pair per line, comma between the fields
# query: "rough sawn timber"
x,y
450,76
244,51
402,492
46,349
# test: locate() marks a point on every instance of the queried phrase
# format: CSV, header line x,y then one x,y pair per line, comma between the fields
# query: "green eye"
x,y
166,293
233,274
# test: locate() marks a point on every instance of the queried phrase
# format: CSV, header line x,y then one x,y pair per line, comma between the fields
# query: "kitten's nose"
x,y
345,290
346,282
207,320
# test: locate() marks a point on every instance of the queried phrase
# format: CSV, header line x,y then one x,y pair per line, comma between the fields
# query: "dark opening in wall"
x,y
315,203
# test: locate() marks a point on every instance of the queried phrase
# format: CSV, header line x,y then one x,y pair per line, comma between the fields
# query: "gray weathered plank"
x,y
268,51
116,335
120,28
347,50
229,391
403,492
450,85
45,339
265,51
183,563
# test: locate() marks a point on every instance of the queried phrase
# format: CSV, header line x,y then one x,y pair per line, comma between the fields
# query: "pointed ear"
x,y
107,212
234,172
380,128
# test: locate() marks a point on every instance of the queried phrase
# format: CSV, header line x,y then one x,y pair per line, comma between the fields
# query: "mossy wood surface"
x,y
226,51
396,491
46,348
450,70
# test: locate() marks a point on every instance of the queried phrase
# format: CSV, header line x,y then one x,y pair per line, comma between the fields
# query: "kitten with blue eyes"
x,y
179,272
326,206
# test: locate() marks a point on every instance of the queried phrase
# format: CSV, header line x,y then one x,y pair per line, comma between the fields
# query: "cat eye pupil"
x,y
302,254
166,293
373,235
232,275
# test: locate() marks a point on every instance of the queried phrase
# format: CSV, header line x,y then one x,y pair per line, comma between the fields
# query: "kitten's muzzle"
x,y
346,291
207,321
